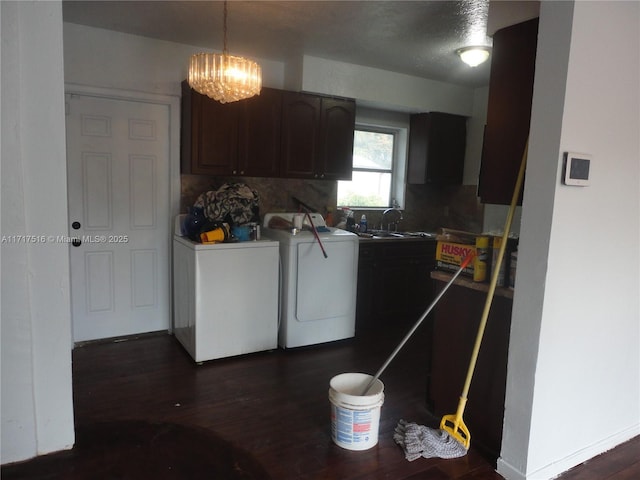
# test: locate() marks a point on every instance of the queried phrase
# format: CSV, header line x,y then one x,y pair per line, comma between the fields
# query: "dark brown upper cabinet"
x,y
508,111
259,134
337,125
317,136
239,138
437,143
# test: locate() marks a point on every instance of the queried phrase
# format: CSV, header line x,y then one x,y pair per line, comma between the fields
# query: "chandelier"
x,y
223,77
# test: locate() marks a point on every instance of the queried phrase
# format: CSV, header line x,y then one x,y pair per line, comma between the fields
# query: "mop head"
x,y
420,441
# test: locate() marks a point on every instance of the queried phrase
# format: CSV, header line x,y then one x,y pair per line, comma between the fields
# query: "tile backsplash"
x,y
427,207
275,194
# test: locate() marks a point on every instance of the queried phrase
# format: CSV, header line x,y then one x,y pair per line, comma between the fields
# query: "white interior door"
x,y
118,183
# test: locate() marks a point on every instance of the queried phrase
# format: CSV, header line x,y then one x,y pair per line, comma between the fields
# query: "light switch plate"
x,y
576,169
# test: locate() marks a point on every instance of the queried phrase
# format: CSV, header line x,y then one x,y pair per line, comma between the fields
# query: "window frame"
x,y
396,124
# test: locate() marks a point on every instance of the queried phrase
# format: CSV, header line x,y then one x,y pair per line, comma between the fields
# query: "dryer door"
x,y
326,287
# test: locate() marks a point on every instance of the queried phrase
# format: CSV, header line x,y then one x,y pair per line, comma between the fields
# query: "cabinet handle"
x,y
241,172
234,172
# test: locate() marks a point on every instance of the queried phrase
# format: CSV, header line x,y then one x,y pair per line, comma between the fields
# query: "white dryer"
x,y
317,293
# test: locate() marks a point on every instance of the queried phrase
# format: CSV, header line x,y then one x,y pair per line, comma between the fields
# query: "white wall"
x,y
384,89
37,410
575,391
108,59
104,58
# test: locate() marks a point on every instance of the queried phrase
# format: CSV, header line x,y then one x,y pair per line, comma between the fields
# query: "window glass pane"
x,y
372,150
366,189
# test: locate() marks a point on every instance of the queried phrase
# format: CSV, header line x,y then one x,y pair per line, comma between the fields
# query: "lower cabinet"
x,y
394,283
456,318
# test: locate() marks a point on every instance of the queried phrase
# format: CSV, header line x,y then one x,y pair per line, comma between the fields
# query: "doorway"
x,y
120,172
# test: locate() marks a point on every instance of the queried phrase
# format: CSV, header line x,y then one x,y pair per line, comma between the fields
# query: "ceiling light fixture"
x,y
473,56
223,77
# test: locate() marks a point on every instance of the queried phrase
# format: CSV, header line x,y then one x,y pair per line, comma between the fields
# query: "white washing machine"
x,y
225,296
317,294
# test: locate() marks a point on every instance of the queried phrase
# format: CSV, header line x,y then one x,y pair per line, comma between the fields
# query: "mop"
x,y
417,440
453,439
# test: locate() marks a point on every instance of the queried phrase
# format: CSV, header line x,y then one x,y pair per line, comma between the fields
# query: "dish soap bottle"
x,y
363,224
328,219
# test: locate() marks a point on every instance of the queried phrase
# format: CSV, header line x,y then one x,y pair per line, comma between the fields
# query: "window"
x,y
372,169
379,155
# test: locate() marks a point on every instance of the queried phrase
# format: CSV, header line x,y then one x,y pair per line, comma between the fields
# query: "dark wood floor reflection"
x,y
274,406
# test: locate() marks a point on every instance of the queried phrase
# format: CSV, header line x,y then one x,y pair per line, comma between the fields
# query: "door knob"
x,y
76,242
75,225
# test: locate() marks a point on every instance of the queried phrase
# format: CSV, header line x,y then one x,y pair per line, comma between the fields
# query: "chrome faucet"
x,y
390,217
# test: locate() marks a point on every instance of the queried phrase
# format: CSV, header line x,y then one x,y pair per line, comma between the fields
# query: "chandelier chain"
x,y
224,30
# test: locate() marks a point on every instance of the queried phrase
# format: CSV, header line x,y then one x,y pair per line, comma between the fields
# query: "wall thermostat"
x,y
576,169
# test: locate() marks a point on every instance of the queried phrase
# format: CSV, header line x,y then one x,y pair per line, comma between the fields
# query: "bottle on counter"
x,y
480,262
350,222
363,224
513,268
328,220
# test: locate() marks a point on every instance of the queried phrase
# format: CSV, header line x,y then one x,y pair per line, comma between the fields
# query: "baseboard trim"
x,y
553,470
508,471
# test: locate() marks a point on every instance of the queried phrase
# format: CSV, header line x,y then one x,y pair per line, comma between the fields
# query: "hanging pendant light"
x,y
223,77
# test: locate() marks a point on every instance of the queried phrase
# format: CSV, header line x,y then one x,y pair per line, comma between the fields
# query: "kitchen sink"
x,y
387,234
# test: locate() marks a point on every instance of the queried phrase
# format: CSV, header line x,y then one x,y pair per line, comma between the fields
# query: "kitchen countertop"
x,y
469,283
406,237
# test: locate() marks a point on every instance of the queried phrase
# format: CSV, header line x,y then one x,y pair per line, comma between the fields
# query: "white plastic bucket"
x,y
355,418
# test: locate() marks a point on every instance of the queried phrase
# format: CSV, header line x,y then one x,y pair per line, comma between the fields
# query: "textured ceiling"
x,y
412,37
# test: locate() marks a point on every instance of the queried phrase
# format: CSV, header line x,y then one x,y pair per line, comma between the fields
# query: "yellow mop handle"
x,y
492,288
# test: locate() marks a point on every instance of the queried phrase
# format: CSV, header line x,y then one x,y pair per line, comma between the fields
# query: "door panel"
x,y
143,191
96,191
99,281
118,184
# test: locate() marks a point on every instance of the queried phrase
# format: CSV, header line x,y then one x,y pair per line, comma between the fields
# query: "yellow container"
x,y
480,262
214,236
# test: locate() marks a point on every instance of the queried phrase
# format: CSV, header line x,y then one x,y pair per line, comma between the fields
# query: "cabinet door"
x,y
437,143
391,290
508,110
300,133
335,160
365,319
401,288
259,135
209,134
217,151
419,285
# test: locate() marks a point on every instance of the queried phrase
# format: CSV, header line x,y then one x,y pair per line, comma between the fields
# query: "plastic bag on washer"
x,y
233,203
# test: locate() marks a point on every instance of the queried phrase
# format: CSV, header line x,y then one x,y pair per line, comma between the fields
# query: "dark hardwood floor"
x,y
271,405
